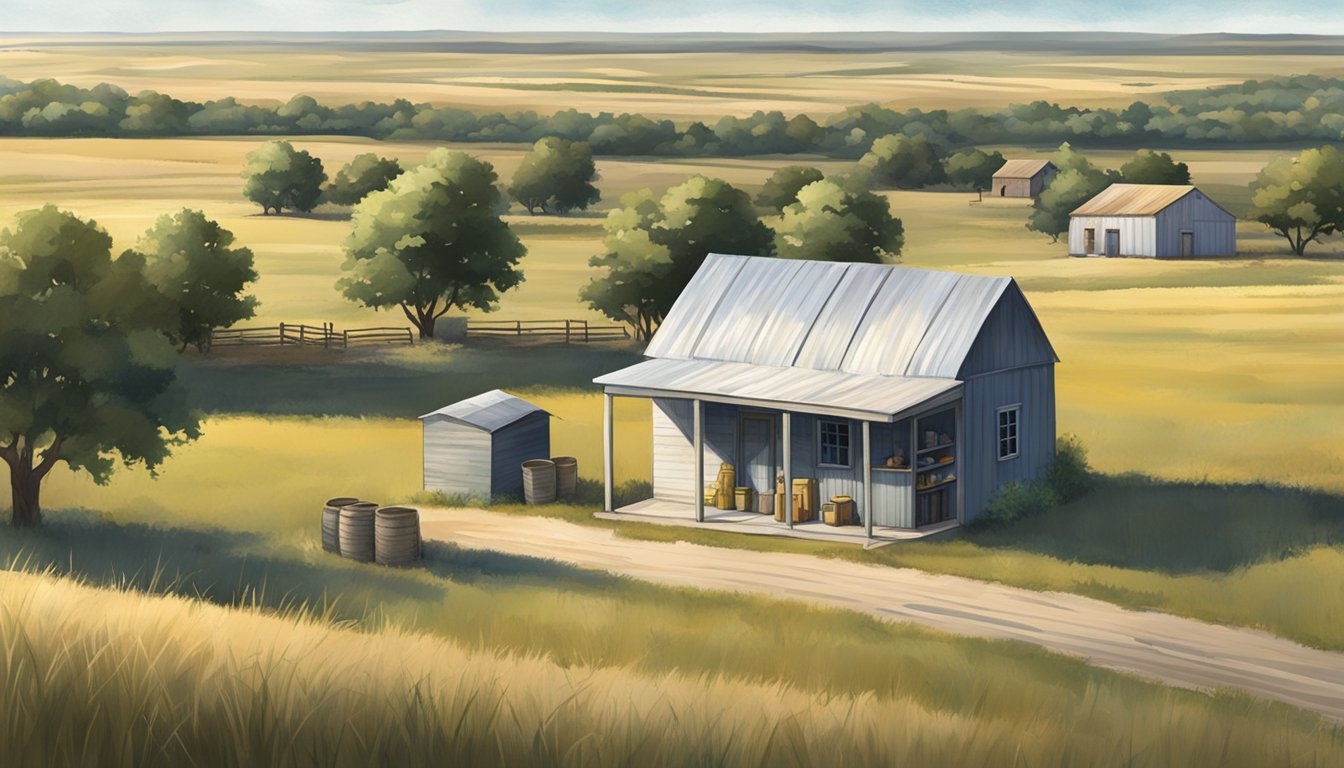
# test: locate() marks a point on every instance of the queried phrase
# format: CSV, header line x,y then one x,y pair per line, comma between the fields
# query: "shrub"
x,y
1067,478
1014,501
1069,475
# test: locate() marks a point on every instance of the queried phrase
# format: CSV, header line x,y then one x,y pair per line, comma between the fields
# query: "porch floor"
x,y
662,512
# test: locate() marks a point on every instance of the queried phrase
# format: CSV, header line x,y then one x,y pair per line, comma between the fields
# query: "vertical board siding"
x,y
893,499
982,473
1138,235
527,438
455,458
1215,230
1011,337
674,453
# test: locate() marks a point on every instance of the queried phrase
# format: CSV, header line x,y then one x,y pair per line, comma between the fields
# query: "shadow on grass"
x,y
1177,527
241,568
400,383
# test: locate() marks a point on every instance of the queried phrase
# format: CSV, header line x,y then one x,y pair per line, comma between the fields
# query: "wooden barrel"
x,y
357,531
331,517
539,481
396,535
566,476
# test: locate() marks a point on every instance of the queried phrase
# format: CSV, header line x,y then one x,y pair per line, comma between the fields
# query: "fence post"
x,y
301,327
410,337
566,331
282,334
345,339
520,327
585,330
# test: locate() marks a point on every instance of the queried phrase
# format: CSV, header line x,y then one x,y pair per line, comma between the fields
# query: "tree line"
x,y
1282,110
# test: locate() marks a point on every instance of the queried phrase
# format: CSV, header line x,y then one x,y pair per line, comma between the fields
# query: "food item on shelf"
x,y
944,439
930,439
945,460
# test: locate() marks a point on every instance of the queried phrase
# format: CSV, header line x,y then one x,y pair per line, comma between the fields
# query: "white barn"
x,y
1155,221
475,448
917,393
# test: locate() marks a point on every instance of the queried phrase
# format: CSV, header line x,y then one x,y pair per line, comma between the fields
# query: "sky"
x,y
1168,16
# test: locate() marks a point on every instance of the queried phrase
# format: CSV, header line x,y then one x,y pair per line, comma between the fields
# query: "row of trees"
x,y
89,342
555,176
1281,110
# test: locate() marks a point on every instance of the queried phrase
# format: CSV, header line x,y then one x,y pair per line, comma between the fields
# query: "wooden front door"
x,y
756,451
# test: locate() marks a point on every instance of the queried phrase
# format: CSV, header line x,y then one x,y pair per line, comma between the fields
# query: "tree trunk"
x,y
25,486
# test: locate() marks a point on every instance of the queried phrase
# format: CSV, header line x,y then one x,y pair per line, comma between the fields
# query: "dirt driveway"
x,y
1173,650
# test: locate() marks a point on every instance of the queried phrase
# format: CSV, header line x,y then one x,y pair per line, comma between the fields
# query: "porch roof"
x,y
870,397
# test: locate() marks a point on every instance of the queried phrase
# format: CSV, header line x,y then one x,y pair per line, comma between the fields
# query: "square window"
x,y
833,443
1008,420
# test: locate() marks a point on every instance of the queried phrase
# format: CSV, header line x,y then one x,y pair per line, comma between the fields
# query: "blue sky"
x,y
1179,16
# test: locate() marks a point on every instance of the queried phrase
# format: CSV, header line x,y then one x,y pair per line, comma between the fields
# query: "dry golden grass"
x,y
127,679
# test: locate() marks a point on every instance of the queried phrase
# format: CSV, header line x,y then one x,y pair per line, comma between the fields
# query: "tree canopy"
x,y
556,176
781,189
363,174
279,177
973,168
655,243
433,241
189,261
1076,182
1301,198
87,369
904,162
835,221
1149,167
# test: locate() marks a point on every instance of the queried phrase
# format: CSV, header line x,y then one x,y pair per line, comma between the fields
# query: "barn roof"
x,y
818,334
489,411
1135,199
1021,169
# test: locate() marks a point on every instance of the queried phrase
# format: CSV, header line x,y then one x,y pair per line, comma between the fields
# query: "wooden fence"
x,y
300,335
566,330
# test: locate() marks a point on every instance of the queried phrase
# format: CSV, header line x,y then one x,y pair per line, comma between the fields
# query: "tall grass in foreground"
x,y
100,677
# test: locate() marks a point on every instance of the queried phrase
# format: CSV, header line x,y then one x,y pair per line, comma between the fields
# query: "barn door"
x,y
1112,242
1187,245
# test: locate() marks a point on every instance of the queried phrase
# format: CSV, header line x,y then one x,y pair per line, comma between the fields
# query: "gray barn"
x,y
475,448
1022,178
1155,221
828,370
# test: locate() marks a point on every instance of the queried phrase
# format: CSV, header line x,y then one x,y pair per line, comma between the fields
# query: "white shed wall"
x,y
456,458
1138,235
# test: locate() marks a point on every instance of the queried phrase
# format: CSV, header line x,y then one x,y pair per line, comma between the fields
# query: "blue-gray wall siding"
x,y
466,461
982,473
1011,337
454,458
526,438
1159,236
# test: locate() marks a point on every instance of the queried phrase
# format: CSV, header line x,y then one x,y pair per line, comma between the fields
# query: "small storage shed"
x,y
1153,221
1023,178
475,448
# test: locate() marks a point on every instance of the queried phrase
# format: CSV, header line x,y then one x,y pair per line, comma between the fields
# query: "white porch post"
x,y
698,439
867,479
788,468
608,457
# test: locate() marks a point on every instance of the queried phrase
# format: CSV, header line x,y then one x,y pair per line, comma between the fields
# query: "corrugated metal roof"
x,y
1133,199
1021,169
489,411
853,395
828,316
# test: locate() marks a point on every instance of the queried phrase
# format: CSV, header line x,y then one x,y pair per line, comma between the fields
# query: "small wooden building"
x,y
1154,221
917,393
475,448
1022,178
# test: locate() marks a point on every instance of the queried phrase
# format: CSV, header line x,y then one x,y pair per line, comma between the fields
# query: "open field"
x,y
685,82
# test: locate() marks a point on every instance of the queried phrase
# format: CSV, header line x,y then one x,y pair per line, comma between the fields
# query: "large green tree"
x,y
1301,198
279,177
190,261
1149,167
655,243
556,176
904,162
838,221
1077,181
364,174
973,168
433,241
781,189
87,370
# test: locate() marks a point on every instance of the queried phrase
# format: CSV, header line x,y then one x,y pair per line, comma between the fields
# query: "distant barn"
x,y
475,448
1155,221
1023,178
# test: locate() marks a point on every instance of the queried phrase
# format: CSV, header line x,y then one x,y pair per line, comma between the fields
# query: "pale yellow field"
x,y
681,86
1212,369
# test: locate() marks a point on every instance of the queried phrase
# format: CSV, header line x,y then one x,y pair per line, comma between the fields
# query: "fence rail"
x,y
301,335
567,330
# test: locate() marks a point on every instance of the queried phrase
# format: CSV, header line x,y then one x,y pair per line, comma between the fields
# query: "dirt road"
x,y
1173,650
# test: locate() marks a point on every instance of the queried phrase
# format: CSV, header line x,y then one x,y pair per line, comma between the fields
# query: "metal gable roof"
x,y
1134,199
1021,169
489,411
866,319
